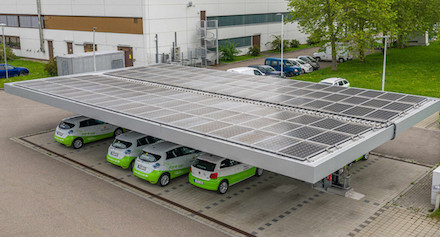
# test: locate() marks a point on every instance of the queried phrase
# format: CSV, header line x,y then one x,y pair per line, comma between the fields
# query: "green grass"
x,y
36,70
302,46
242,58
412,70
435,214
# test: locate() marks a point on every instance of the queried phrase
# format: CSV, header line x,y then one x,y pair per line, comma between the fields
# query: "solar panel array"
x,y
358,103
275,130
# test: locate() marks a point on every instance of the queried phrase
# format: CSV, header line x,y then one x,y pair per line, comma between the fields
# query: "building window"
x,y
239,42
11,21
89,47
29,21
11,41
246,19
69,48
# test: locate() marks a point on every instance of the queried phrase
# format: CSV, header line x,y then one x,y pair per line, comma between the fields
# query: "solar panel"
x,y
303,150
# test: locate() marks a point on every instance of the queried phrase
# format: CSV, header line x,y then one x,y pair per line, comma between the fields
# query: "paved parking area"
x,y
271,205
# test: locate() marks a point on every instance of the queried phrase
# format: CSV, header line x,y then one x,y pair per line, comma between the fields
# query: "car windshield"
x,y
311,59
269,69
121,144
149,157
65,125
300,61
288,63
204,165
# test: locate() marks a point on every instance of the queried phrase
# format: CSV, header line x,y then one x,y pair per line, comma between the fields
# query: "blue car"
x,y
289,69
12,71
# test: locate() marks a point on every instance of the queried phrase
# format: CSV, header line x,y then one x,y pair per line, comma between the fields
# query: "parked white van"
x,y
246,71
325,53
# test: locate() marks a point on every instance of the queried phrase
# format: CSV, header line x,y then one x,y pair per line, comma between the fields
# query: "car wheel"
x,y
164,179
21,74
303,71
366,156
259,172
223,187
290,74
341,60
118,132
318,59
77,143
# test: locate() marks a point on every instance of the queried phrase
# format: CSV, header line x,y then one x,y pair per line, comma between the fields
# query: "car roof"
x,y
160,147
211,158
76,118
260,66
332,79
132,135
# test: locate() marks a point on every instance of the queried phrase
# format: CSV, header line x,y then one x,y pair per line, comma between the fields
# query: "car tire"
x,y
290,74
303,71
21,74
341,60
164,179
223,187
118,132
366,156
78,143
318,59
259,172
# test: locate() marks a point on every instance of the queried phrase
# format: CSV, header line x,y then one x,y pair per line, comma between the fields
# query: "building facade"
x,y
147,30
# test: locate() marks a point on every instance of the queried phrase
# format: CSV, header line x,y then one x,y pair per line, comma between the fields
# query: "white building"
x,y
132,25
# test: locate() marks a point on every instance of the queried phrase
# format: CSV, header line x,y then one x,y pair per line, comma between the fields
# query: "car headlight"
x,y
296,70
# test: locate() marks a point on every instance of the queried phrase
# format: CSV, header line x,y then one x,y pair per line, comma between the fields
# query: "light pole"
x,y
282,42
384,63
94,56
4,48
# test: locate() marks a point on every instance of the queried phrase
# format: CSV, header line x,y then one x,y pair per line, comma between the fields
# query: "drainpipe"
x,y
40,27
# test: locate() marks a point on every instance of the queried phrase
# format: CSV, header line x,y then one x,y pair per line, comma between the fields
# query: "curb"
x,y
401,159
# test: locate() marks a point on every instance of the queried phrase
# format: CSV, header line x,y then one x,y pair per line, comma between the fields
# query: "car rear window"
x,y
149,157
65,125
121,144
204,165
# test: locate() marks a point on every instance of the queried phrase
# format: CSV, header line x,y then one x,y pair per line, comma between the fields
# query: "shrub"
x,y
51,67
294,43
228,51
276,43
254,51
9,54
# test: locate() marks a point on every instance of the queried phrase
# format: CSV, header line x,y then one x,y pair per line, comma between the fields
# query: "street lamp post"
x,y
94,56
282,42
4,48
384,63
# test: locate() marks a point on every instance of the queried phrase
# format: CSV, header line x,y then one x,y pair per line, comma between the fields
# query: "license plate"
x,y
141,167
113,153
198,181
60,134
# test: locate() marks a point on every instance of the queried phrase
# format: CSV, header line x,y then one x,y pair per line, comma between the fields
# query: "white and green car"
x,y
126,147
217,173
79,130
163,161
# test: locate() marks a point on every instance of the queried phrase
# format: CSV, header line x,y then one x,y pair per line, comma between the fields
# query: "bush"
x,y
294,43
51,67
276,43
9,54
254,51
228,51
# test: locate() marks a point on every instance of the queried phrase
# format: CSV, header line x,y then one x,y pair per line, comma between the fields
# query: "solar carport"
x,y
299,129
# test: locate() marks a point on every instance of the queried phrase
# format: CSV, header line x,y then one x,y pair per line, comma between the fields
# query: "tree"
x,y
414,17
9,54
321,18
276,43
363,20
228,51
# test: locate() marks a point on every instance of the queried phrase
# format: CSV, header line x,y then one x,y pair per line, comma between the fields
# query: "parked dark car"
x,y
12,71
267,70
310,60
288,68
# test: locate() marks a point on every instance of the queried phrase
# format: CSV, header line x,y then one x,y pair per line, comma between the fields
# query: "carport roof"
x,y
300,129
